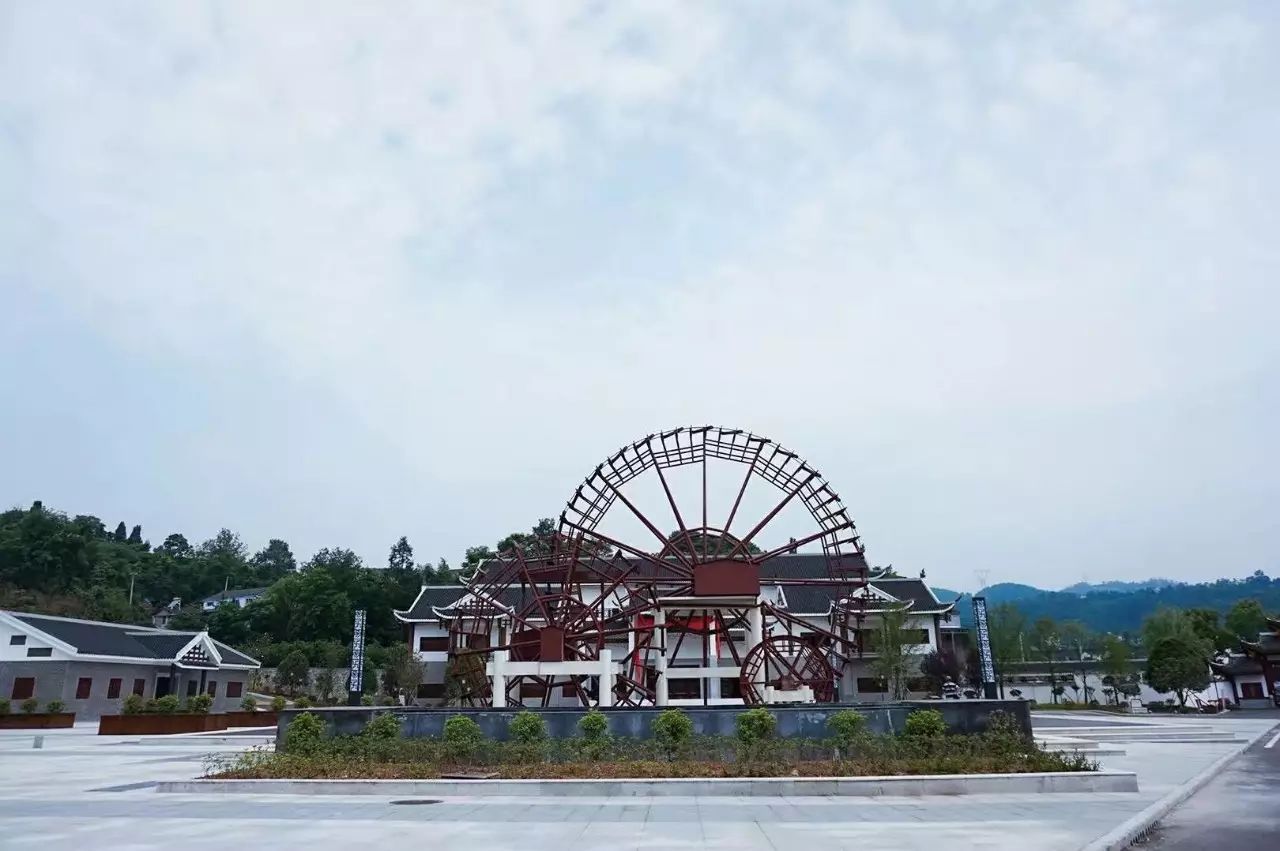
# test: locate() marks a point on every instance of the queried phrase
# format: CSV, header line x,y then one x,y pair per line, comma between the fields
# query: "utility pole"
x,y
131,576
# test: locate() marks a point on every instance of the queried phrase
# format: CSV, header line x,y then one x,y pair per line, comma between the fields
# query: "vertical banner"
x,y
984,648
356,680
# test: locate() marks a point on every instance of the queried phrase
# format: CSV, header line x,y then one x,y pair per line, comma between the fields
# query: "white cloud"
x,y
957,262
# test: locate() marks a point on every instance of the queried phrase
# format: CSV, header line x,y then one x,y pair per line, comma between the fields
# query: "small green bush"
x,y
462,737
133,705
167,705
756,725
594,726
847,727
366,700
53,707
5,706
248,704
302,702
30,705
527,728
386,700
304,734
277,703
199,704
925,724
672,732
383,726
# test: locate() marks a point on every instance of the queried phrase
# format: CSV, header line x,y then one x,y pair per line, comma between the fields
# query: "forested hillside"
x,y
1124,612
78,567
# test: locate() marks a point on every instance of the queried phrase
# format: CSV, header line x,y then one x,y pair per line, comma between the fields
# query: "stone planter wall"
x,y
159,725
37,721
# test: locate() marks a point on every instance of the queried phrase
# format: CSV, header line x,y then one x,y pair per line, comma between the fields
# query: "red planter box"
x,y
250,719
37,721
159,725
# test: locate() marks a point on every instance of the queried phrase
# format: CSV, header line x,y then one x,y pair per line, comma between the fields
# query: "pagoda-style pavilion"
x,y
1254,673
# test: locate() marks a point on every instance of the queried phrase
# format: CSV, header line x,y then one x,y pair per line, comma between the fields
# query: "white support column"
x,y
605,687
755,637
499,685
660,641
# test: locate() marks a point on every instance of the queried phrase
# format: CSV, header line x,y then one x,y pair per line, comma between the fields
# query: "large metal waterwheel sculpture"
x,y
708,558
534,609
795,671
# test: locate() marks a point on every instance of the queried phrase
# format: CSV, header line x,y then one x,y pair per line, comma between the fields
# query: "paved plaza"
x,y
86,791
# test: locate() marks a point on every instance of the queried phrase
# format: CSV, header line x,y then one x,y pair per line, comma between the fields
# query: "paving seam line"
x,y
1123,836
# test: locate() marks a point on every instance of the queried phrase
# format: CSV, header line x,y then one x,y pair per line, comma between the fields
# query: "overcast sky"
x,y
1005,273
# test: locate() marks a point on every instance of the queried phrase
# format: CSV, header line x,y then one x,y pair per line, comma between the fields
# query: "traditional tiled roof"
x,y
1236,665
801,599
233,594
96,638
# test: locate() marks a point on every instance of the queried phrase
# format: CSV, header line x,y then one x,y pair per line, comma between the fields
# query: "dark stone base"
x,y
251,719
805,721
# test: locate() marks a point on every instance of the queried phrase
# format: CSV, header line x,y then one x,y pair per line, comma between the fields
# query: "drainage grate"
x,y
409,802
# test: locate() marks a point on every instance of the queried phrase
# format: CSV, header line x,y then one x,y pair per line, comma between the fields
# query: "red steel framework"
x,y
588,589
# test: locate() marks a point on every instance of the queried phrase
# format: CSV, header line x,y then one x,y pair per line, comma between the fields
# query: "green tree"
x,y
1115,663
294,673
1046,645
401,556
135,536
1167,622
1246,619
274,561
1006,627
1205,624
1178,664
403,673
1080,645
896,658
122,534
176,546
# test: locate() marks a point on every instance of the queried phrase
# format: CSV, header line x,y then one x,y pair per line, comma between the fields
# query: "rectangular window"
x,y
84,685
730,687
438,644
140,687
430,690
15,640
1251,691
477,642
192,688
212,688
113,688
235,689
532,690
39,651
871,685
684,689
23,687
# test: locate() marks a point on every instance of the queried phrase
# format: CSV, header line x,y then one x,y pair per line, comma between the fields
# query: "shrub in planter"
x,y
30,705
925,724
133,705
594,730
385,726
53,707
756,725
366,700
199,704
167,705
462,738
848,728
672,732
302,702
304,734
386,700
277,703
248,704
5,706
528,737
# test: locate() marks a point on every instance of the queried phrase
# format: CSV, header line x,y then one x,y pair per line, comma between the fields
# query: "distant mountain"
x,y
1121,611
1122,587
946,595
